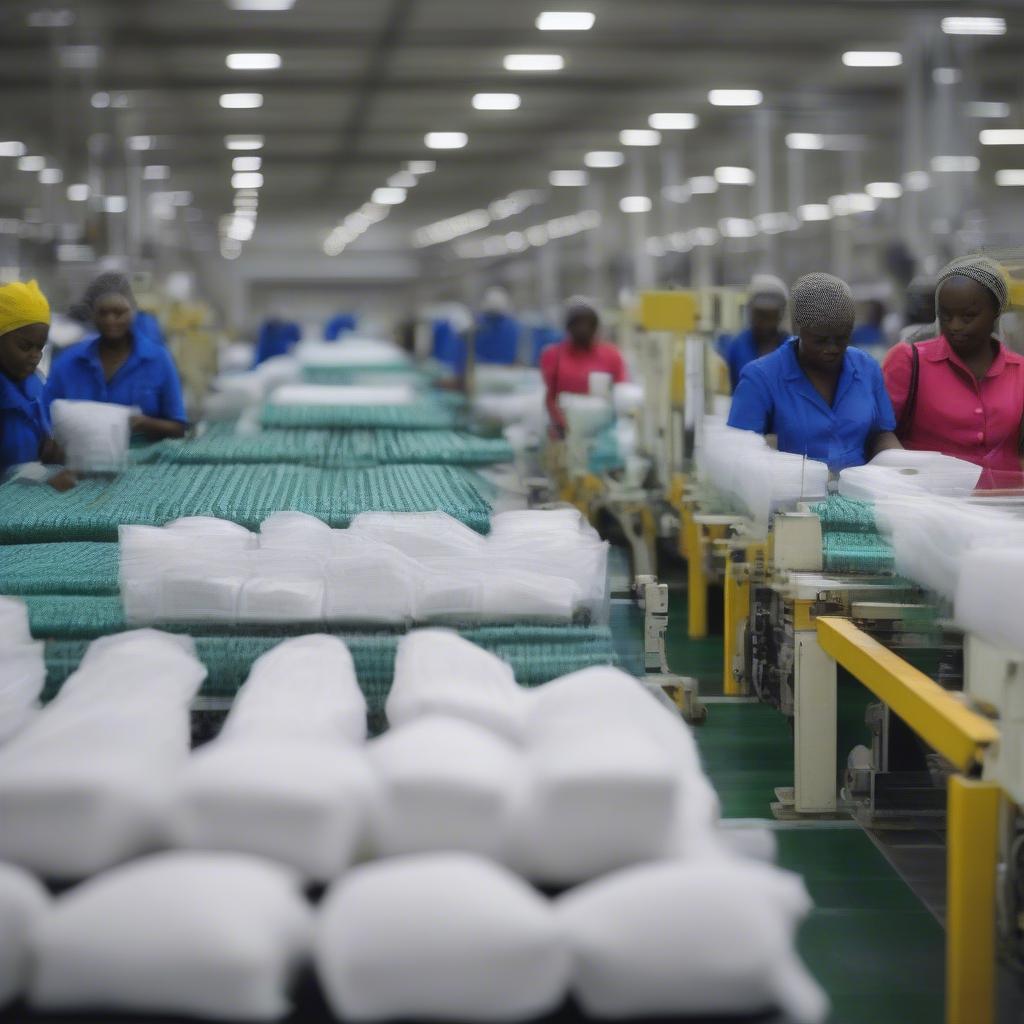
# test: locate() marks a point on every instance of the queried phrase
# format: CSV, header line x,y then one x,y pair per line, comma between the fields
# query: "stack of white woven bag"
x,y
496,852
390,568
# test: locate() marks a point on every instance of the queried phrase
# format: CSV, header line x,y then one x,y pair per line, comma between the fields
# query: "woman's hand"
x,y
51,453
62,481
156,428
883,442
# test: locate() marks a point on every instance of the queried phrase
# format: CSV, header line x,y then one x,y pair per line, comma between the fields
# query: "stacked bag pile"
x,y
384,569
433,840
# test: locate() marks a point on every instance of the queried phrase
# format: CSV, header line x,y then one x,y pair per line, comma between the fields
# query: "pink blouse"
x,y
957,414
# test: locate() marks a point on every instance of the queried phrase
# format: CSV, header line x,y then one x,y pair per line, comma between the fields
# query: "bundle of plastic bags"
x,y
22,669
352,352
89,782
344,394
93,435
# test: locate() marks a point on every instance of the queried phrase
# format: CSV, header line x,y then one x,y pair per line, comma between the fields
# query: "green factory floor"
x,y
872,944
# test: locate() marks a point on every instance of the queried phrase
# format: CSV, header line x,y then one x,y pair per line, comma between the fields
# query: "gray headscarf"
x,y
982,269
111,283
824,302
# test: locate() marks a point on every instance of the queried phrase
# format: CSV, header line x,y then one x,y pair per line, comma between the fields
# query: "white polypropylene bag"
x,y
445,784
691,939
439,672
206,935
446,937
305,688
379,585
304,804
23,902
14,626
595,801
281,598
22,677
295,531
343,395
419,534
93,435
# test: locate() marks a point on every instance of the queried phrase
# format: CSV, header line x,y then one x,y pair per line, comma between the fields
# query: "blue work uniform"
x,y
868,336
449,347
148,379
343,323
277,338
497,339
775,396
24,420
147,323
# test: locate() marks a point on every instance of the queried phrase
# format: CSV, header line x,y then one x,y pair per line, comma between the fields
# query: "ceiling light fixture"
x,y
635,204
955,164
916,181
100,100
604,158
253,61
567,179
422,166
776,223
12,148
247,180
496,101
243,142
533,62
884,189
565,21
735,97
1010,177
156,172
974,26
814,212
703,185
872,58
241,100
246,163
261,5
51,176
403,179
737,227
1001,136
140,143
980,108
734,176
703,236
947,76
805,140
79,192
445,140
115,204
673,122
388,196
31,163
640,137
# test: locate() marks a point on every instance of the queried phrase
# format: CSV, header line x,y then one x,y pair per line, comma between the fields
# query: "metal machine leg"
x,y
972,848
736,613
815,708
696,578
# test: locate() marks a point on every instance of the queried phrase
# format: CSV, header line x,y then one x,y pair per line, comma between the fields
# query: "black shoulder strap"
x,y
907,416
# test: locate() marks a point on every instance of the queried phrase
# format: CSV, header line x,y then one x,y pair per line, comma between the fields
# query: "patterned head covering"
x,y
981,269
580,305
110,283
767,292
20,305
823,302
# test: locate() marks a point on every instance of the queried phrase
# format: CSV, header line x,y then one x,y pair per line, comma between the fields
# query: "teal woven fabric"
x,y
155,494
537,654
604,455
857,552
425,415
336,449
70,568
369,374
845,514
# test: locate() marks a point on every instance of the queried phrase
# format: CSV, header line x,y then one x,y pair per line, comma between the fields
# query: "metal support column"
x,y
814,736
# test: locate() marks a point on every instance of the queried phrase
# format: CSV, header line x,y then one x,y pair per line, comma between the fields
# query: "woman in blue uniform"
x,y
120,364
819,397
766,308
25,432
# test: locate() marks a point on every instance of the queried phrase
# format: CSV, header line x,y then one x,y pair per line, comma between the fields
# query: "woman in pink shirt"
x,y
567,366
962,393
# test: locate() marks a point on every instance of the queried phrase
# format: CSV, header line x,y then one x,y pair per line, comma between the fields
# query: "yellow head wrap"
x,y
20,305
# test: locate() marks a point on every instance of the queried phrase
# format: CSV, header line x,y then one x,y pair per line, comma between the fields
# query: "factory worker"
x,y
920,310
121,364
497,331
567,365
819,397
870,333
277,337
966,397
765,309
25,431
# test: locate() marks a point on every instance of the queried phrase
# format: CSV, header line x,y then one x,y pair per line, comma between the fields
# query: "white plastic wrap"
x,y
439,672
691,939
444,937
94,435
351,352
205,935
419,534
22,669
344,394
23,902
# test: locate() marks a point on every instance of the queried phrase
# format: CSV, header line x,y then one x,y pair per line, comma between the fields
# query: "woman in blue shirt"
x,y
121,365
25,432
765,309
819,397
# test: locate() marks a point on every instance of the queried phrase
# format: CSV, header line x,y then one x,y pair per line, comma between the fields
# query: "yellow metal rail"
x,y
936,715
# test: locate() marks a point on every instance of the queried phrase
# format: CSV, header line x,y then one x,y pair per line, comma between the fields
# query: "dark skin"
x,y
582,330
820,353
764,325
112,315
967,318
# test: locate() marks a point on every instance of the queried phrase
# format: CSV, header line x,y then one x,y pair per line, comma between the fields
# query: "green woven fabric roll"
x,y
845,514
71,568
857,552
369,374
426,415
337,449
153,495
537,654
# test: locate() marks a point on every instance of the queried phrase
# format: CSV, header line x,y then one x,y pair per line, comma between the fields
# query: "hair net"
x,y
982,269
767,292
110,283
580,305
495,301
22,304
824,302
921,298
